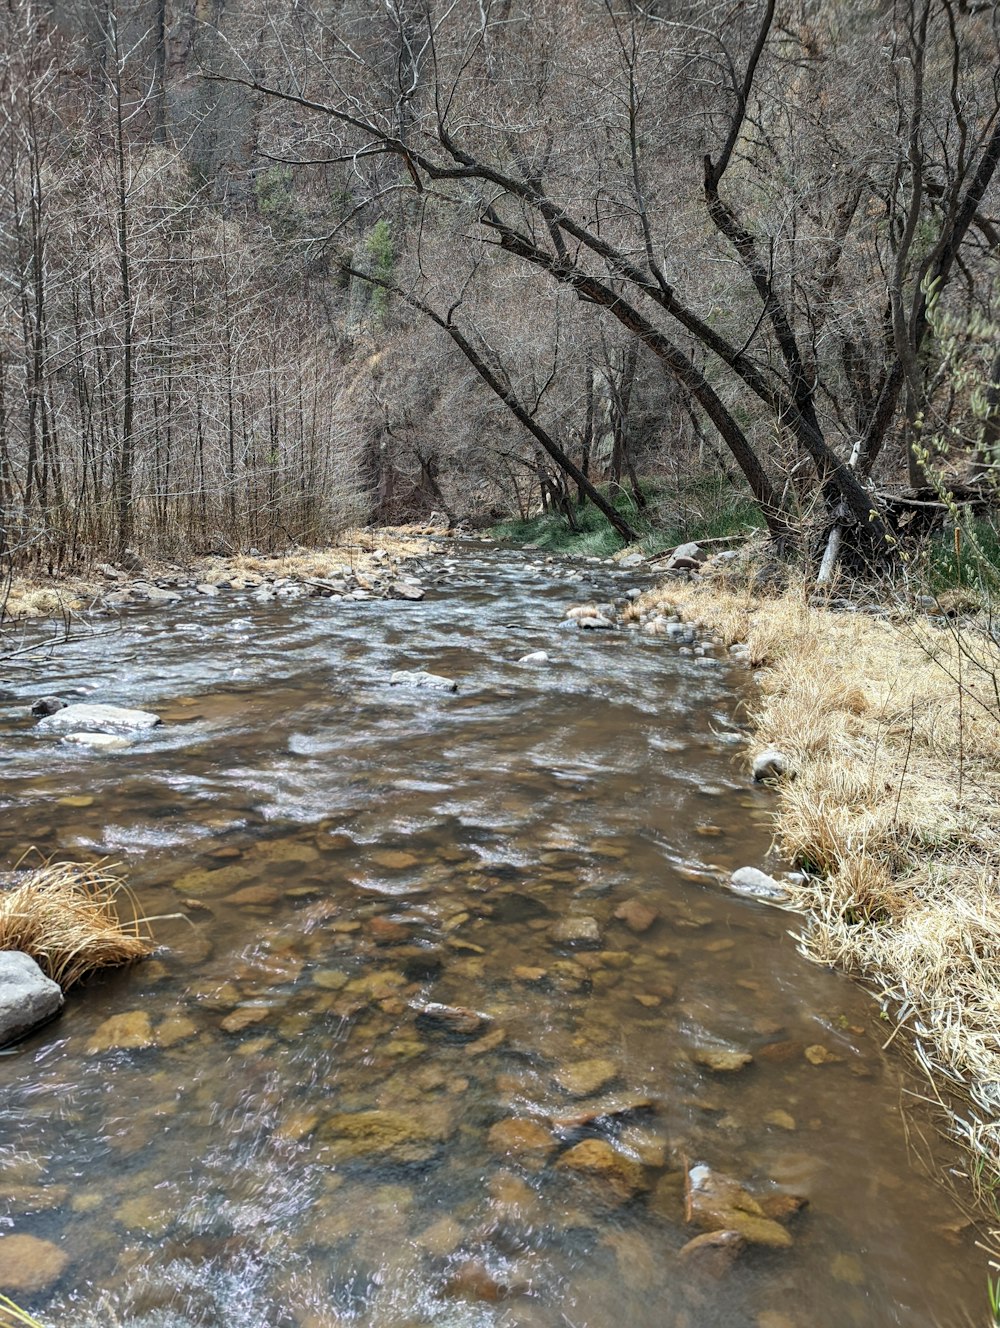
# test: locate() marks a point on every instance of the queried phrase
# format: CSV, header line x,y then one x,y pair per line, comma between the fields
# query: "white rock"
x,y
418,678
99,742
536,657
89,718
632,560
769,764
757,885
27,997
691,550
594,624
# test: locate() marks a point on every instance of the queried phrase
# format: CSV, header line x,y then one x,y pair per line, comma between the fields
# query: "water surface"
x,y
301,1146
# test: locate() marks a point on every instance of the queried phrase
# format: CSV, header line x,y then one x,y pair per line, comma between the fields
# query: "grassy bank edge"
x,y
360,552
891,725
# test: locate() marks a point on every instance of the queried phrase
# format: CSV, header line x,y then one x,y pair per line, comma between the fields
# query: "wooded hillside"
x,y
268,270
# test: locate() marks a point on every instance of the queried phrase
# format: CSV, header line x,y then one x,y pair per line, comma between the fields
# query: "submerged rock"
x,y
637,915
620,1177
395,1135
576,931
29,1265
434,682
84,717
27,997
716,1202
128,1031
451,1018
586,1077
721,1060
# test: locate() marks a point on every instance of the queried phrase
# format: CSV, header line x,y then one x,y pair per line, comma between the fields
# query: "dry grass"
x,y
893,731
65,915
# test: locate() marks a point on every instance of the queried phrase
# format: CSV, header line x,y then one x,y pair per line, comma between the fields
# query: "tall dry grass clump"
x,y
892,729
66,916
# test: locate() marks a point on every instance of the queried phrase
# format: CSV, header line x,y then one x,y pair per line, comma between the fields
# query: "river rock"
x,y
86,718
770,764
29,1265
713,1251
394,1135
586,1077
535,657
721,1060
581,931
401,590
756,884
99,742
619,1176
434,682
716,1202
450,1018
637,915
122,1032
27,997
594,624
521,1138
47,705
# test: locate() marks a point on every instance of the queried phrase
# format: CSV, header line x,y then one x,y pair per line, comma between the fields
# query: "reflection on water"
x,y
273,1122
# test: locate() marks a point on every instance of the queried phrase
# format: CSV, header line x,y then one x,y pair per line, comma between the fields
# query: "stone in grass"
x,y
755,884
418,678
87,718
27,997
770,764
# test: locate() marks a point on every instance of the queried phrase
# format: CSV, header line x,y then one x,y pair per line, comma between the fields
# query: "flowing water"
x,y
304,1145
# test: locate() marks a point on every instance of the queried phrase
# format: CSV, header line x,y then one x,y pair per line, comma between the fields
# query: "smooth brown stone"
x,y
29,1265
713,1251
637,915
126,1032
383,931
516,1137
245,1017
254,894
596,1159
586,1077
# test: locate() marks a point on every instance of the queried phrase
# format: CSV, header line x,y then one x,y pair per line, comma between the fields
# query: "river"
x,y
306,1143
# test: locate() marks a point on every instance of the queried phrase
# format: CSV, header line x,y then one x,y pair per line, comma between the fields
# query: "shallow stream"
x,y
303,1143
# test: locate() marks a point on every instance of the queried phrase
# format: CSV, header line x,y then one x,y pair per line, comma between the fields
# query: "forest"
x,y
268,271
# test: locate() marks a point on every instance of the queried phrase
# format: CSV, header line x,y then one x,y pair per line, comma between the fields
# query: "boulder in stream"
x,y
434,682
27,997
756,884
29,1265
716,1202
535,657
85,717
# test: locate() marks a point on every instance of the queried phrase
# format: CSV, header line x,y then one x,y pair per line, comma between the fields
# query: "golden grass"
x,y
11,1315
892,729
65,915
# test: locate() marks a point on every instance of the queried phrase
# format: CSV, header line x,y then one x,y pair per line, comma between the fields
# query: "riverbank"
x,y
364,563
890,725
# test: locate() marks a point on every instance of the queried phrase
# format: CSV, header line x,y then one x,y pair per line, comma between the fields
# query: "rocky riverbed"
x,y
452,1020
